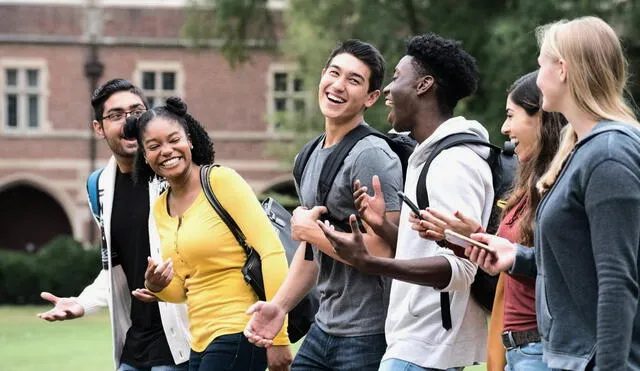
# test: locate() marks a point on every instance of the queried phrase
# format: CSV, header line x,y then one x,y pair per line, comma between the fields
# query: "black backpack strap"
x,y
447,142
205,182
423,198
334,162
303,158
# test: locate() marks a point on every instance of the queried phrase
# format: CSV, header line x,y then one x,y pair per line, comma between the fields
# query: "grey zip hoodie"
x,y
587,239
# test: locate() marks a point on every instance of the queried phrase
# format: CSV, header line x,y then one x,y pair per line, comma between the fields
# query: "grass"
x,y
28,343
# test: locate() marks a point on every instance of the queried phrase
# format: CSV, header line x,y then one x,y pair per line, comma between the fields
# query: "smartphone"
x,y
411,205
464,241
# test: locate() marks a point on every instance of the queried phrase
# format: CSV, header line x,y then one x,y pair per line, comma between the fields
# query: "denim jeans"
x,y
526,357
229,352
180,367
321,351
394,364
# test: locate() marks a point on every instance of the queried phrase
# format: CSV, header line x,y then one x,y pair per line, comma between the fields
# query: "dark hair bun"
x,y
130,129
177,106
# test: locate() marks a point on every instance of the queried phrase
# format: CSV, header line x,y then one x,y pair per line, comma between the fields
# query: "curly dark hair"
x,y
175,109
454,70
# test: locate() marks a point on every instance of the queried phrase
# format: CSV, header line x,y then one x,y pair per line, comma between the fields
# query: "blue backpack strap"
x,y
92,191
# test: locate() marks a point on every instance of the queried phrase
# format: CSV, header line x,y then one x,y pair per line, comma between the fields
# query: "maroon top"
x,y
519,291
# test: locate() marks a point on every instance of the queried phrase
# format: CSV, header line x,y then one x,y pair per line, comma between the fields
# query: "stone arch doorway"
x,y
30,217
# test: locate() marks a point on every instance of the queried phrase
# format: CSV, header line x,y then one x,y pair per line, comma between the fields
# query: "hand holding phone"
x,y
464,241
411,205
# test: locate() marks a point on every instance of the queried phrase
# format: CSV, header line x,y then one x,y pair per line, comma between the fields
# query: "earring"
x,y
145,161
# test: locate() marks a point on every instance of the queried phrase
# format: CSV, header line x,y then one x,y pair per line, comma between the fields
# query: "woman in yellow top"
x,y
203,259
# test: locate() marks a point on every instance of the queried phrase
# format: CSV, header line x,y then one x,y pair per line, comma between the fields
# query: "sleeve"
x,y
174,292
96,295
240,201
612,204
376,161
525,262
458,179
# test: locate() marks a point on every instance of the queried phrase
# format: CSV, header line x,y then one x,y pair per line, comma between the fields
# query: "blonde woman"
x,y
587,226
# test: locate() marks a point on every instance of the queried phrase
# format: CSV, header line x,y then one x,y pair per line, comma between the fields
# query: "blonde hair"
x,y
596,77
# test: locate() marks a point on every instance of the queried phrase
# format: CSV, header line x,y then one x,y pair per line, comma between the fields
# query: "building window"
x,y
23,95
288,98
159,81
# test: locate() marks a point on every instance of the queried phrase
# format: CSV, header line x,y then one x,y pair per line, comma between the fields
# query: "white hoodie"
x,y
458,179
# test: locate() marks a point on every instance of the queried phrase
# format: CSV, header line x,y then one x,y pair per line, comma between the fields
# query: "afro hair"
x,y
455,71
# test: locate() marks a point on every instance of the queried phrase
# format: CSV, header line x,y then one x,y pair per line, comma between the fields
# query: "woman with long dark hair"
x,y
587,235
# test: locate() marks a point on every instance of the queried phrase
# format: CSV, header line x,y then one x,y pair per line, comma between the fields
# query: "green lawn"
x,y
28,343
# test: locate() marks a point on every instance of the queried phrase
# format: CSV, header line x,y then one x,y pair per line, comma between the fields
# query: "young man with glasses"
x,y
147,335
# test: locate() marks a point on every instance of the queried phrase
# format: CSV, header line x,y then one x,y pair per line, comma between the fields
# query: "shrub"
x,y
18,278
62,267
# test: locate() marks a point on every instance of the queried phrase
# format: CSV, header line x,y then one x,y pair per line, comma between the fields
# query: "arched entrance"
x,y
30,218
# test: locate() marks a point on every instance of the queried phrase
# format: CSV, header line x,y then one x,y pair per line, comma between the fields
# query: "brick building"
x,y
45,113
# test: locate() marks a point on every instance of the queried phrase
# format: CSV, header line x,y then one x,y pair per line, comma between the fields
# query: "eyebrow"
x,y
168,136
351,74
122,109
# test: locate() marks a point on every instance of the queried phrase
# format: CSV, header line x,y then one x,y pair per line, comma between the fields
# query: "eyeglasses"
x,y
117,116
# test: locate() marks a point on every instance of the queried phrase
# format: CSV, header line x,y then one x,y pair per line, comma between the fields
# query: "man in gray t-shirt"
x,y
349,329
351,303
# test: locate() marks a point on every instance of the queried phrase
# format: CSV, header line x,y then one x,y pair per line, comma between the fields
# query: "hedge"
x,y
62,266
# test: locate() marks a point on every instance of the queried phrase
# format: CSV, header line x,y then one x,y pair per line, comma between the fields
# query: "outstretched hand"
x,y
370,208
144,295
434,222
348,246
63,308
265,323
501,261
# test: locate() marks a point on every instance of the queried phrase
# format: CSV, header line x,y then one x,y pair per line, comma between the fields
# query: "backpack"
x,y
302,315
503,164
401,144
93,193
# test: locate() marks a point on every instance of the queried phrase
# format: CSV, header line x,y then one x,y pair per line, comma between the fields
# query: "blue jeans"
x,y
180,367
229,352
321,351
526,357
394,364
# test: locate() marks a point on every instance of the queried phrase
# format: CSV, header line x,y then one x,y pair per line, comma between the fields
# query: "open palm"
x,y
370,208
63,309
266,321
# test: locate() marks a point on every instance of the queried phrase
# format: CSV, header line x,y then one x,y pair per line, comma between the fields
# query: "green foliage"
x,y
18,278
500,34
62,267
239,24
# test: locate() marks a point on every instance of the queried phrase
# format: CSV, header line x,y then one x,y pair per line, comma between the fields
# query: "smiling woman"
x,y
203,260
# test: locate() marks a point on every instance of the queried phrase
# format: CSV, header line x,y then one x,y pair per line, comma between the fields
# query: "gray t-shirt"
x,y
352,303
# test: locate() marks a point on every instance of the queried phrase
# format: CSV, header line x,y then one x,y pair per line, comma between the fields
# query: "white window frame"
x,y
159,67
290,94
23,90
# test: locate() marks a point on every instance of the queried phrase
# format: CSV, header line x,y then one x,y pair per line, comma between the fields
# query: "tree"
x,y
500,34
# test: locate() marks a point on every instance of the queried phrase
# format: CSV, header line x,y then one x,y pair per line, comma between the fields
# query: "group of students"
x,y
567,243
